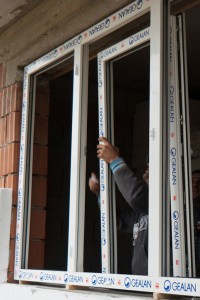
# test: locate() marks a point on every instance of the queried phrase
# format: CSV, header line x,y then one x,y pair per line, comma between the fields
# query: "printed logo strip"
x,y
121,17
103,174
125,45
167,285
175,174
21,183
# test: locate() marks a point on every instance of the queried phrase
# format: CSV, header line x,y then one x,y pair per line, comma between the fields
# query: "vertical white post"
x,y
103,167
155,141
176,187
83,145
75,160
186,147
5,222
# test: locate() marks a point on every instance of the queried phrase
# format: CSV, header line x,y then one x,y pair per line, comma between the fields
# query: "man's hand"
x,y
107,151
94,184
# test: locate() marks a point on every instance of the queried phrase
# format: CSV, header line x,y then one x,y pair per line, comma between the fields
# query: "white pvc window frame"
x,y
176,188
104,57
78,46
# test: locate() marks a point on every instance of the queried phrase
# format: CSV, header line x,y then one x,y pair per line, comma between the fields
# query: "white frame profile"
x,y
77,46
104,56
177,214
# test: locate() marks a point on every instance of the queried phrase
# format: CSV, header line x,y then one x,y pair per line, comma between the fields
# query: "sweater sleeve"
x,y
133,190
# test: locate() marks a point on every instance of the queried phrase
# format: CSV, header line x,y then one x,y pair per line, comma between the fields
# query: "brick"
x,y
39,191
16,103
13,222
13,127
2,75
11,256
36,254
38,224
2,182
12,158
41,130
14,98
2,160
40,160
10,277
2,103
42,100
2,131
11,181
8,99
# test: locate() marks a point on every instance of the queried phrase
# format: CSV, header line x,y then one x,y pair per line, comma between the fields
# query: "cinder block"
x,y
42,101
39,191
38,224
40,160
13,128
12,158
11,181
13,222
36,254
41,130
2,131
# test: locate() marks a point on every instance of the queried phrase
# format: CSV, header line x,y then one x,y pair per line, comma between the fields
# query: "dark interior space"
x,y
59,155
131,127
193,66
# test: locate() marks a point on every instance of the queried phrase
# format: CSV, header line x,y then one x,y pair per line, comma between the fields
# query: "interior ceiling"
x,y
13,10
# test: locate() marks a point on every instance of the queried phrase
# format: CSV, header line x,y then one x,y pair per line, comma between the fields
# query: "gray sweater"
x,y
135,193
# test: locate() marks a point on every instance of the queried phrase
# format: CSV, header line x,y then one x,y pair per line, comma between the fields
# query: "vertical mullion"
x,y
22,172
75,160
155,141
186,147
176,186
29,166
83,146
113,189
103,167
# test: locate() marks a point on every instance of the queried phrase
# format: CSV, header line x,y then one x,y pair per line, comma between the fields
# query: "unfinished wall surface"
x,y
47,26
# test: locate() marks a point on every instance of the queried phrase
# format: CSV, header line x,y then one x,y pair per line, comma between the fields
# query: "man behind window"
x,y
135,193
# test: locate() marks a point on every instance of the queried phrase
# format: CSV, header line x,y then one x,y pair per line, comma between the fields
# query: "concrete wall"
x,y
47,26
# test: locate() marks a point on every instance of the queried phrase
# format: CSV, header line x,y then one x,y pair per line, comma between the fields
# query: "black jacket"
x,y
135,193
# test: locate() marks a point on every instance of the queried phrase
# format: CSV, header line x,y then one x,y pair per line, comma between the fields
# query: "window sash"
x,y
103,58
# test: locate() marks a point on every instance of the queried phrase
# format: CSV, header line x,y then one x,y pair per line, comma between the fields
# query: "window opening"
x,y
130,134
111,91
92,237
49,174
192,41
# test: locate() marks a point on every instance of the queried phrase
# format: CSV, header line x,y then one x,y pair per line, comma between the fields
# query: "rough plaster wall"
x,y
47,26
